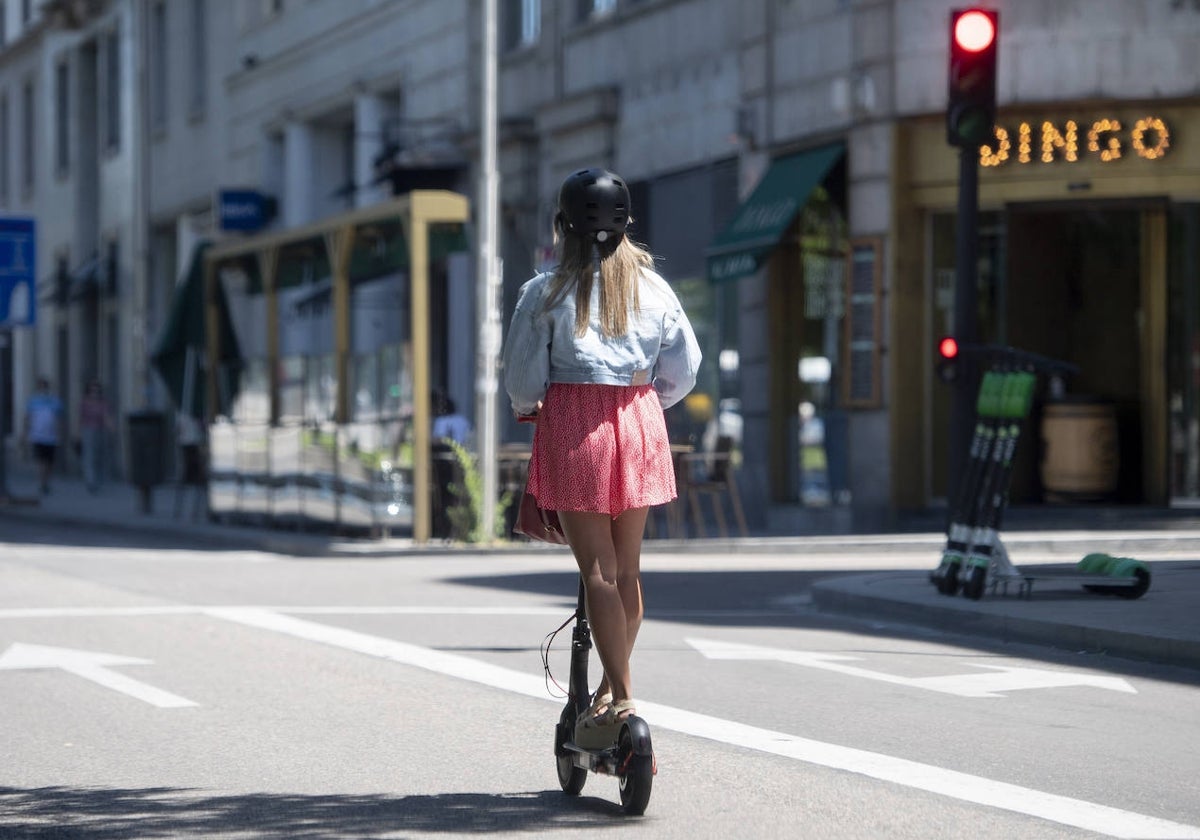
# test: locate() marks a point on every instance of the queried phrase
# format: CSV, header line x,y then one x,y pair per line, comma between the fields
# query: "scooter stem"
x,y
581,647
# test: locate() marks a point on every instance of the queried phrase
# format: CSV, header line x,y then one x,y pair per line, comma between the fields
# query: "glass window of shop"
x,y
1183,353
821,422
992,315
377,460
237,438
304,436
676,217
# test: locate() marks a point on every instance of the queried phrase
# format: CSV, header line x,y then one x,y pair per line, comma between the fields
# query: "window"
x,y
595,9
522,23
531,20
3,24
62,117
26,12
159,82
112,92
3,148
198,93
28,133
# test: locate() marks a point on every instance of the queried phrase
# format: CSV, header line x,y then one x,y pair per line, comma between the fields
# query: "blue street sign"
x,y
242,210
18,273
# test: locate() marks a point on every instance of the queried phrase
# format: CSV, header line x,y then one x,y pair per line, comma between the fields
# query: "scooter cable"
x,y
545,649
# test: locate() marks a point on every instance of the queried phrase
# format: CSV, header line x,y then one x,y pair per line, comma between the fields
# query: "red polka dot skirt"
x,y
601,448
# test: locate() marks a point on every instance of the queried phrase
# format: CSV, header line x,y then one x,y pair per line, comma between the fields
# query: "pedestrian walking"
x,y
598,347
44,429
448,424
95,422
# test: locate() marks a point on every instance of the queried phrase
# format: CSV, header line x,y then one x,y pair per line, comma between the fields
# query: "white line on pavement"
x,y
558,612
1089,816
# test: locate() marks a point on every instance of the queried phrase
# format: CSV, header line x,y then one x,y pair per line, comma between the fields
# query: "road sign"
x,y
18,273
990,683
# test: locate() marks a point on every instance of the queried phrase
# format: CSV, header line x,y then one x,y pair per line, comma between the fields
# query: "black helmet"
x,y
594,202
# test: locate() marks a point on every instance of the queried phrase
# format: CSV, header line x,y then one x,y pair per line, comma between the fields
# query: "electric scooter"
x,y
630,757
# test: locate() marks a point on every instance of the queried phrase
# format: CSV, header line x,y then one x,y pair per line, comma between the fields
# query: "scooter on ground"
x,y
630,758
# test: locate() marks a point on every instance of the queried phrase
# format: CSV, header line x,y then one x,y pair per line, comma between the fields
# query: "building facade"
x,y
791,166
788,166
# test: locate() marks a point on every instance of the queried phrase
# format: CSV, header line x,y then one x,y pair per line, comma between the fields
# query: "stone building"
x,y
789,168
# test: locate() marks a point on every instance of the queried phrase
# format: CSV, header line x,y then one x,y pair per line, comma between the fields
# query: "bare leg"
x,y
608,552
627,531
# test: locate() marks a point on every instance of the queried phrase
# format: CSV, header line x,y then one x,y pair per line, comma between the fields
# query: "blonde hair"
x,y
621,265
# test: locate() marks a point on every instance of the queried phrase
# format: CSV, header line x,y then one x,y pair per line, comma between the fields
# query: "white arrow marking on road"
x,y
1002,678
91,666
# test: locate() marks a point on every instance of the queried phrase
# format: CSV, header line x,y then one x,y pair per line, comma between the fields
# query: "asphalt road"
x,y
153,690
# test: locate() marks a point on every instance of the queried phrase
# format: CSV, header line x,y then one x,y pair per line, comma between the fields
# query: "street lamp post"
x,y
486,384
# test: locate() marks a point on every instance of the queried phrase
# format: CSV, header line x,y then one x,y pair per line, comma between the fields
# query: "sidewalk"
x,y
1163,626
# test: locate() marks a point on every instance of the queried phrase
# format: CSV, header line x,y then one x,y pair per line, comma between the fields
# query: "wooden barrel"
x,y
1080,456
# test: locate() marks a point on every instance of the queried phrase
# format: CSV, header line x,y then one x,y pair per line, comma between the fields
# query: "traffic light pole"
x,y
966,314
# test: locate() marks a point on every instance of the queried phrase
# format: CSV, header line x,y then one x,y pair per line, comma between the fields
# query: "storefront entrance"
x,y
1089,252
1084,283
1075,294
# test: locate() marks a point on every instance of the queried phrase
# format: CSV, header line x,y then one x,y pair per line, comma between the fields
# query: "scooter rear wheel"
x,y
638,777
570,777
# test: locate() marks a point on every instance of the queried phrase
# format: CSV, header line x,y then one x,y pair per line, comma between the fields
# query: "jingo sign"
x,y
1106,139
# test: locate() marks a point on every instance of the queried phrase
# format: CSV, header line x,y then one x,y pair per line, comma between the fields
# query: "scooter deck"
x,y
597,761
1025,580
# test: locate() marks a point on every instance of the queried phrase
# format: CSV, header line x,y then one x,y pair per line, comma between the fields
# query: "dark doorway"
x,y
1074,293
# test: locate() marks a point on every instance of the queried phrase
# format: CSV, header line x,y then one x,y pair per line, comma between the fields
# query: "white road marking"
x,y
91,666
122,612
1002,678
562,612
94,612
1089,816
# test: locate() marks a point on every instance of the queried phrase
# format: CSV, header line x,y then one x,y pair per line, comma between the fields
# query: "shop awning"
x,y
763,217
180,356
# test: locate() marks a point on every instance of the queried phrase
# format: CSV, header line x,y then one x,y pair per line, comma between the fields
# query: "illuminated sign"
x,y
1105,139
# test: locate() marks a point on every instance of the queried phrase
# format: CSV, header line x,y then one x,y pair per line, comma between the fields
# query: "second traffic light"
x,y
971,106
947,361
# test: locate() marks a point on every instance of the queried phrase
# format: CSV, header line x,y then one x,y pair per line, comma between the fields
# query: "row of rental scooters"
x,y
975,558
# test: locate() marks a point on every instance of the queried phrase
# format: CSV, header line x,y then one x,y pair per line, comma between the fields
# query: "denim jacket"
x,y
659,348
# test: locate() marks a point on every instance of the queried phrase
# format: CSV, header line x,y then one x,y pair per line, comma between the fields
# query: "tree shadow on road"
x,y
92,813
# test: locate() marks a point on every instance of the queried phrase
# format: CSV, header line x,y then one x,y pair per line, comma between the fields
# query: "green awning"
x,y
761,220
181,354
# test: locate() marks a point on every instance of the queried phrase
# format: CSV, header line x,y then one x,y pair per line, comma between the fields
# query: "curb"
x,y
960,616
927,546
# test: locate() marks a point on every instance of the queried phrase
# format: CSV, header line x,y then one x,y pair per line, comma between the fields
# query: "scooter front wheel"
x,y
637,767
972,587
570,776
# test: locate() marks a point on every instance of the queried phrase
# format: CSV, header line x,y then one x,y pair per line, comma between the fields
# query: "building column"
x,y
298,181
370,112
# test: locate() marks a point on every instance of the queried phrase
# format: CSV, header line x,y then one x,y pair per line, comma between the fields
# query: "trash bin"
x,y
146,448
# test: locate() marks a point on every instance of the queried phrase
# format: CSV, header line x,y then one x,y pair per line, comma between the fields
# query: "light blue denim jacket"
x,y
660,347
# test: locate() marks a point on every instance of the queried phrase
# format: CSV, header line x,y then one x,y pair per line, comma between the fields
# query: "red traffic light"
x,y
948,348
971,104
974,31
